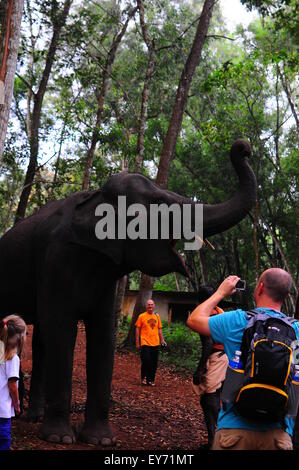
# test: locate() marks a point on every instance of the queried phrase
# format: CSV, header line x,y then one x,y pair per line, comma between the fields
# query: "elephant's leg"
x,y
37,390
99,367
58,333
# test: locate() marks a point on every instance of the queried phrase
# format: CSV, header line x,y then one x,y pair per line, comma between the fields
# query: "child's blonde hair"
x,y
13,335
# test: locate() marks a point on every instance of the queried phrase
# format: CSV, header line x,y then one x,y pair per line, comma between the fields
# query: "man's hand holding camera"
x,y
198,320
228,286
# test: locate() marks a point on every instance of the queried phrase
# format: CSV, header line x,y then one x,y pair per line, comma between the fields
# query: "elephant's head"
x,y
155,257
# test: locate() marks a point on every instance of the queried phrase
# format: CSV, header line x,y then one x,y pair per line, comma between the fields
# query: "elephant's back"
x,y
25,232
19,253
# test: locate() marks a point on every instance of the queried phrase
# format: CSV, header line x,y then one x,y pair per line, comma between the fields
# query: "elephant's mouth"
x,y
180,261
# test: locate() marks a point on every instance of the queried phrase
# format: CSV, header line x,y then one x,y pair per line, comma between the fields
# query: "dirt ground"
x,y
166,417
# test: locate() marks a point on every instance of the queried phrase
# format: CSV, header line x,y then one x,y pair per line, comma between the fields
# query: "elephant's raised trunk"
x,y
220,217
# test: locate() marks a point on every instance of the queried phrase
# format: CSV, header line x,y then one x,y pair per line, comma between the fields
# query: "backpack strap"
x,y
251,313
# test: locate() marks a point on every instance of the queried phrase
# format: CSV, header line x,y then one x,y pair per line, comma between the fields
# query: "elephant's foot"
x,y
35,413
98,433
57,432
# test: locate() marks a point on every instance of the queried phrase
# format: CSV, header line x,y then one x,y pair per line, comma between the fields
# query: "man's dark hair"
x,y
205,292
277,283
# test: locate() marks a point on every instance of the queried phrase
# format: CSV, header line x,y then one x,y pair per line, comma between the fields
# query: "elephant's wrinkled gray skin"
x,y
54,271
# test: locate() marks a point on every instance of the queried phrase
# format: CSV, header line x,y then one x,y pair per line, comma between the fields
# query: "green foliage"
x,y
183,347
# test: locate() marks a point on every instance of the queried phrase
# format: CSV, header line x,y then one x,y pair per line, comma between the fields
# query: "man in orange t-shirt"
x,y
149,336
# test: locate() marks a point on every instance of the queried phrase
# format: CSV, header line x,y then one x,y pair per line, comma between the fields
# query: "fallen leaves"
x,y
167,416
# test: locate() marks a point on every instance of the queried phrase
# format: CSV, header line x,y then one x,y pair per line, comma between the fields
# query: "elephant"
x,y
54,271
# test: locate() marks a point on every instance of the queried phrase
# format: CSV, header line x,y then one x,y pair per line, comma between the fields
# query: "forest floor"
x,y
163,418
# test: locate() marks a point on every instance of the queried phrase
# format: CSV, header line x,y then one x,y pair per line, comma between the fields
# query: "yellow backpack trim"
x,y
270,387
275,341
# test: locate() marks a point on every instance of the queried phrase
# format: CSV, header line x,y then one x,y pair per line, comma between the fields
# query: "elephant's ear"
x,y
86,226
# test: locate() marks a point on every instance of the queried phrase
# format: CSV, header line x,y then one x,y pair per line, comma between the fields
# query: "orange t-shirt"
x,y
216,311
149,324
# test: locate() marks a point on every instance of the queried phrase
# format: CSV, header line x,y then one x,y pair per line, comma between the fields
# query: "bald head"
x,y
150,305
277,283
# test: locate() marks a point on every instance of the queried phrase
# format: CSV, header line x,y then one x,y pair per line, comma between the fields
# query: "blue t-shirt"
x,y
228,329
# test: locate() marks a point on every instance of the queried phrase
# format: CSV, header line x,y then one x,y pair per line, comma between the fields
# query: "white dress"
x,y
8,370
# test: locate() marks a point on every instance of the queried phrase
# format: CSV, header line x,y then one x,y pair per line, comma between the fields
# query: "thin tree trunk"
x,y
256,211
9,52
30,73
176,282
203,268
264,243
11,204
104,87
276,138
255,244
51,192
182,94
193,278
119,298
147,282
286,264
146,90
37,108
243,295
236,257
289,96
145,293
226,254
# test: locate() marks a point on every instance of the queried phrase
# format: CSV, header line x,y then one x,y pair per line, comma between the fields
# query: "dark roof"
x,y
189,297
164,293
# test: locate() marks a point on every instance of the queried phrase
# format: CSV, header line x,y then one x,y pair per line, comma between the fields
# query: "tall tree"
x,y
58,18
105,81
11,14
168,150
146,88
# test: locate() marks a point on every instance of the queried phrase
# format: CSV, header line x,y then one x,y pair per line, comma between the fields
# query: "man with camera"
x,y
210,373
235,432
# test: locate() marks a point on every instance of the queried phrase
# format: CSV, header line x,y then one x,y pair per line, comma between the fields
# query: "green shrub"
x,y
183,347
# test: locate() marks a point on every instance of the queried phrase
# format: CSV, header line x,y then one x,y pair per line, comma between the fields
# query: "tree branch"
x,y
25,82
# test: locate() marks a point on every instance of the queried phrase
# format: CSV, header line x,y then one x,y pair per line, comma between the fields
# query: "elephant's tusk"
x,y
210,244
205,242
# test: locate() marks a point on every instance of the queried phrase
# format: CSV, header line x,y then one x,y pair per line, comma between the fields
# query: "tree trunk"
x,y
176,282
191,268
51,192
243,295
145,293
286,264
37,108
119,298
30,72
203,267
289,96
146,89
182,94
147,282
11,27
105,82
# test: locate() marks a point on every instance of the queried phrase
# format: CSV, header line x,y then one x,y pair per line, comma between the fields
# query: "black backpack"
x,y
267,350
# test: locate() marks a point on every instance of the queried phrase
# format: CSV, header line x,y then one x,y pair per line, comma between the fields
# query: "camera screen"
x,y
241,284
